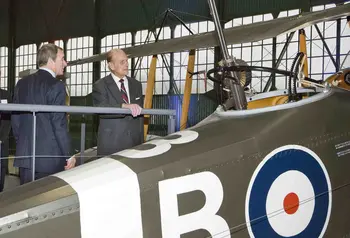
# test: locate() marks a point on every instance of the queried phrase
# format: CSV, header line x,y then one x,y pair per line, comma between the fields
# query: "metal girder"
x,y
326,46
279,60
337,66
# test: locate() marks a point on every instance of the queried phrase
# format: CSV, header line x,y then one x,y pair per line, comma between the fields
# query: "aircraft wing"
x,y
235,35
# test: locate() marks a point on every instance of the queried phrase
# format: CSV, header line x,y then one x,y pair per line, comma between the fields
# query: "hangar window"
x,y
260,53
80,81
204,59
3,67
142,64
25,59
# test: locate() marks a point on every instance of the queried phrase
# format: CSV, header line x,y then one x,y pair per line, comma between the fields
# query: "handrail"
x,y
37,108
79,109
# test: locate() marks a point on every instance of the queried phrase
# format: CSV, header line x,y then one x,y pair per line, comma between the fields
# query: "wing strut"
x,y
236,96
302,43
149,91
188,89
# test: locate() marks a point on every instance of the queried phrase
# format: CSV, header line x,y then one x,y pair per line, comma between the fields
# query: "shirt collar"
x,y
116,78
49,70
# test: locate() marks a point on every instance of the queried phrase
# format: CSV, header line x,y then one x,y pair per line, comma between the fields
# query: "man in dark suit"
x,y
52,138
5,127
118,132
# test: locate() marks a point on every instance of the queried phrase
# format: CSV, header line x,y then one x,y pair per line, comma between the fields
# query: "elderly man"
x,y
118,132
52,138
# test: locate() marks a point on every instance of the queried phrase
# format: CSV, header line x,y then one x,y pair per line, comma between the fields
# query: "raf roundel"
x,y
289,195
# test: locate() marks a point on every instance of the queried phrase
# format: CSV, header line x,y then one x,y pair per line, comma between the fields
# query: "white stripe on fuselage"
x,y
109,197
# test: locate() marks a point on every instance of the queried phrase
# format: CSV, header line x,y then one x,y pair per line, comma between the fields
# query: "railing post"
x,y
171,124
82,140
34,145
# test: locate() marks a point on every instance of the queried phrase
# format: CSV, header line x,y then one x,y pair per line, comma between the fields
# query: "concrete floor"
x,y
11,182
12,179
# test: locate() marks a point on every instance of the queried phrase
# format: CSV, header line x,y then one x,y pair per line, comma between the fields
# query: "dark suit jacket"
x,y
117,132
5,128
52,138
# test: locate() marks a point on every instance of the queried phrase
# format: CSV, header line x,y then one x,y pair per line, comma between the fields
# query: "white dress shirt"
x,y
49,70
126,84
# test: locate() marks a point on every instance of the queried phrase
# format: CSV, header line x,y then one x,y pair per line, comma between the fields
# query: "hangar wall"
x,y
171,68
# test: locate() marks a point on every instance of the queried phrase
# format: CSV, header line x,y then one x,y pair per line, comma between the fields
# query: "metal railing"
x,y
34,109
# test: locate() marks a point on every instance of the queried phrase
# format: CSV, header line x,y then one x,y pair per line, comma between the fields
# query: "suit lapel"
x,y
113,88
131,90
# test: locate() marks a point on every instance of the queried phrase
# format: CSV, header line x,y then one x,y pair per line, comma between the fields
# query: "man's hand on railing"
x,y
135,109
70,163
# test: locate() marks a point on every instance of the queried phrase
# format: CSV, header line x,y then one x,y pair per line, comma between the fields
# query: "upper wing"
x,y
241,34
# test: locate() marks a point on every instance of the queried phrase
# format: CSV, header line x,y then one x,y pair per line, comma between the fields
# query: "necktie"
x,y
123,91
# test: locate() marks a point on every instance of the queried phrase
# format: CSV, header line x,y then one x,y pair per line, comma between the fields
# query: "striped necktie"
x,y
123,91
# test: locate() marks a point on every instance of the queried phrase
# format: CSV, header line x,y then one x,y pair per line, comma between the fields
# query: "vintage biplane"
x,y
271,165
